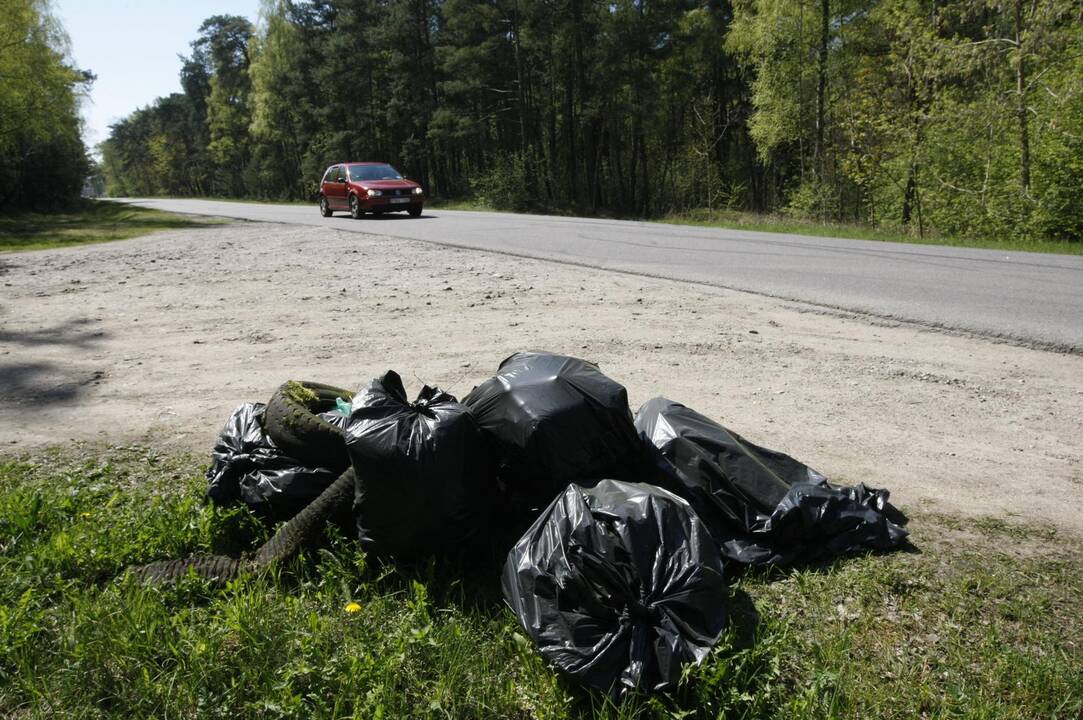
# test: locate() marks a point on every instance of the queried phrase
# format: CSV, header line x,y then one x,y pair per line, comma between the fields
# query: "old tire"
x,y
293,424
332,506
214,568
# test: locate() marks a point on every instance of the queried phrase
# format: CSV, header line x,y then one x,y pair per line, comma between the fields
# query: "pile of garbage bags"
x,y
631,520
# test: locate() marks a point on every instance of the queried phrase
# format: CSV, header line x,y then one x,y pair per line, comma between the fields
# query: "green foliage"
x,y
223,47
277,110
778,38
42,159
506,185
962,628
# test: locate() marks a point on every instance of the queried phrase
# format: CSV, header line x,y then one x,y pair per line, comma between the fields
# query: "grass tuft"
x,y
983,620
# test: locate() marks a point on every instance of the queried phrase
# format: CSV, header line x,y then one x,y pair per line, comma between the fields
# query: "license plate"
x,y
400,200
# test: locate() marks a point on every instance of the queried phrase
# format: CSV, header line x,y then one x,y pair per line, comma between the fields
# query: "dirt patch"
x,y
157,339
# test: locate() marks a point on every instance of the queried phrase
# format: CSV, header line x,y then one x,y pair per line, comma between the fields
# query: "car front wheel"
x,y
415,211
325,209
355,208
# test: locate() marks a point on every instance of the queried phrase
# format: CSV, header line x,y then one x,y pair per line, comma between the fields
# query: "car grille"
x,y
397,192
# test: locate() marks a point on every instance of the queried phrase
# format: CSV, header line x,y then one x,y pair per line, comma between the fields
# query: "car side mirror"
x,y
342,180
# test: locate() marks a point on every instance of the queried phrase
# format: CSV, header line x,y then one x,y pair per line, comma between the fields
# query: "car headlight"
x,y
375,193
417,191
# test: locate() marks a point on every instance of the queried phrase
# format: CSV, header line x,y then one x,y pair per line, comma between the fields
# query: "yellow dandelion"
x,y
353,608
85,515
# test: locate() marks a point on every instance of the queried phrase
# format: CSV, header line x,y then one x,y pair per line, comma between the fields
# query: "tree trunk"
x,y
908,195
520,83
1021,101
821,88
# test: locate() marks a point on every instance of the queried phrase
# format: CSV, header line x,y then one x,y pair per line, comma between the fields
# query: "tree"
x,y
223,48
802,56
43,161
278,102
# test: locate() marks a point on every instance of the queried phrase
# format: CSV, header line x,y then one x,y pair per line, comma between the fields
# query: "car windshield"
x,y
374,172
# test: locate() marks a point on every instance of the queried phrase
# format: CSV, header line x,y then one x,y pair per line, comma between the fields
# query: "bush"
x,y
507,185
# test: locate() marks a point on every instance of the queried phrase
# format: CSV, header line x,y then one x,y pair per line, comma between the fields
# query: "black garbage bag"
x,y
761,506
247,466
819,520
618,585
425,478
554,420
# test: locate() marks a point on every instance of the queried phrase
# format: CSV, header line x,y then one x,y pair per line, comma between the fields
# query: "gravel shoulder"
x,y
157,339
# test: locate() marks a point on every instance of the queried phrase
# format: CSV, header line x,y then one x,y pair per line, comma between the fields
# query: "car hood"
x,y
388,184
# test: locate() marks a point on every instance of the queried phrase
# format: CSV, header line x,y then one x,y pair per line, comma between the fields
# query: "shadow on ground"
x,y
34,381
70,333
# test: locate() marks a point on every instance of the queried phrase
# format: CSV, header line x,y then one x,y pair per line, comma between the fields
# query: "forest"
x,y
43,160
953,117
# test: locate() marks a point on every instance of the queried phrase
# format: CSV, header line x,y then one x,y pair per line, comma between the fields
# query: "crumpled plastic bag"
x,y
819,520
619,585
247,466
425,478
554,420
761,506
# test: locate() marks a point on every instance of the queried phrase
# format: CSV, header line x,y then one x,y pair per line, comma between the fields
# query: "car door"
x,y
327,188
334,189
343,187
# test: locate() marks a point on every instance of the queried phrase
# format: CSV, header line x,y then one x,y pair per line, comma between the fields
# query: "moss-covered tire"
x,y
333,505
291,420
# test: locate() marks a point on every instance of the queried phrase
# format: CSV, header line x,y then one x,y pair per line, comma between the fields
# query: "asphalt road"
x,y
1031,298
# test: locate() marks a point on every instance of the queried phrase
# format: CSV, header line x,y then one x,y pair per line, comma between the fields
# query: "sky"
x,y
132,46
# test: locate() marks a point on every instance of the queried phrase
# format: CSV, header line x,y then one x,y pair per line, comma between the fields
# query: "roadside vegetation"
x,y
85,222
984,619
783,224
43,161
787,224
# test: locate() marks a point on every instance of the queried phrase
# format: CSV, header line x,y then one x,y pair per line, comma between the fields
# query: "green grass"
x,y
736,220
458,204
90,221
981,623
242,200
781,224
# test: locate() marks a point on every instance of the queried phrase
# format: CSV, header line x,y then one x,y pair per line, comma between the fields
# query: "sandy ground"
x,y
155,340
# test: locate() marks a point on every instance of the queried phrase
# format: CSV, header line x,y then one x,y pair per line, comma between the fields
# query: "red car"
x,y
368,187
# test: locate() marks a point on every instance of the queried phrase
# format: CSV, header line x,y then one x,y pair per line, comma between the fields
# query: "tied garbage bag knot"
x,y
425,479
619,585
